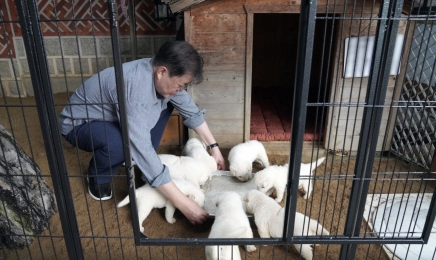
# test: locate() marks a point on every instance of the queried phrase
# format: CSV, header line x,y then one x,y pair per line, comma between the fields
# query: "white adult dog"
x,y
269,218
230,222
275,177
196,149
148,198
187,168
242,156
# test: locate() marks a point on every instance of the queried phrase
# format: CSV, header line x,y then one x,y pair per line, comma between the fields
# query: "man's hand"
x,y
216,154
192,211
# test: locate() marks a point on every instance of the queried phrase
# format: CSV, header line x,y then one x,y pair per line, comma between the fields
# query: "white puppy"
x,y
269,219
275,177
148,198
242,156
230,222
196,149
187,168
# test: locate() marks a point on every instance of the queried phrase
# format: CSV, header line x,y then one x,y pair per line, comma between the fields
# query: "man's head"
x,y
176,65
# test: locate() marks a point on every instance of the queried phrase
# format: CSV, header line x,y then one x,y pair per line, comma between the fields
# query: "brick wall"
x,y
77,42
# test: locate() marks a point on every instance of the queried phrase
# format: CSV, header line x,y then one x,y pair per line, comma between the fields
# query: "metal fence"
x,y
375,193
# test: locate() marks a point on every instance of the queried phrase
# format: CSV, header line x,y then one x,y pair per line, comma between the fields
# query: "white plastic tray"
x,y
220,182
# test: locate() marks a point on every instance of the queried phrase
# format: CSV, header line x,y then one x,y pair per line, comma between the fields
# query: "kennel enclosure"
x,y
363,114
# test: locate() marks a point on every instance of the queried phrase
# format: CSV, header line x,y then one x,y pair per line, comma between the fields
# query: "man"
x,y
153,87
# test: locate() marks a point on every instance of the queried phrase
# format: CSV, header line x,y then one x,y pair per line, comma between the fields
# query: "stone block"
x,y
159,41
87,46
125,46
63,65
111,62
98,65
15,89
15,69
144,47
81,66
70,46
5,69
24,66
105,46
19,47
51,67
52,46
58,84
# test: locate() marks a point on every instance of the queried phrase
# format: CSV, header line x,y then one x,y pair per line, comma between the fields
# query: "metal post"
x,y
301,93
36,55
377,86
119,78
133,40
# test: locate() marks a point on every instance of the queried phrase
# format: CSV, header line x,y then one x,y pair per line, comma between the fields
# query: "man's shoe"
x,y
99,192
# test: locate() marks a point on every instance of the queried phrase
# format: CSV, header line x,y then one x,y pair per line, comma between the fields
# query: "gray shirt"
x,y
97,99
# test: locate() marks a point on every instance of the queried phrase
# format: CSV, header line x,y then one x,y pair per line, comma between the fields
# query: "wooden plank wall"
x,y
174,131
344,123
218,31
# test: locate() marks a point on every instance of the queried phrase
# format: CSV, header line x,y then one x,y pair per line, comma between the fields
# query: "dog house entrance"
x,y
275,43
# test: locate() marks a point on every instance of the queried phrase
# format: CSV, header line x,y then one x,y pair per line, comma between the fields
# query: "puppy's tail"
x,y
317,162
317,228
124,202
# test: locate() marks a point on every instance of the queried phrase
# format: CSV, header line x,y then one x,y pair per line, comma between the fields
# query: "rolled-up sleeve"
x,y
188,109
195,120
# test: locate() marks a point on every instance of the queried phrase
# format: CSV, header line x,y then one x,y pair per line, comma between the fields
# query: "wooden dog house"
x,y
249,49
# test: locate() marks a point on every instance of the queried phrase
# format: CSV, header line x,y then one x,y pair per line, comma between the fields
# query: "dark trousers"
x,y
104,140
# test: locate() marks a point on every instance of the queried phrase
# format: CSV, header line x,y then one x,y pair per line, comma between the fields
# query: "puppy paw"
x,y
171,221
278,199
250,248
303,193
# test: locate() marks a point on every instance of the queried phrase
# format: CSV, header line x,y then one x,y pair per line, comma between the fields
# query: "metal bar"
x,y
133,40
119,78
429,219
34,46
301,93
279,241
377,87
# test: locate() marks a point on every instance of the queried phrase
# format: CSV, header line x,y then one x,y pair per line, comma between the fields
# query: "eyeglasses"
x,y
185,87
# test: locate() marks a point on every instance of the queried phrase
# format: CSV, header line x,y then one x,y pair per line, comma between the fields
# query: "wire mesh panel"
x,y
414,133
28,206
364,79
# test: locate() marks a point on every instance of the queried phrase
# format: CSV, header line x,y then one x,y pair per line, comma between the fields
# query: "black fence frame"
x,y
387,27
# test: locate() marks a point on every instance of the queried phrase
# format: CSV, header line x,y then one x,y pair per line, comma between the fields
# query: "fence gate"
x,y
414,133
371,193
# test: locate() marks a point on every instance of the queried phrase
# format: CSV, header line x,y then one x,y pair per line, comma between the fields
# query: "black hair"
x,y
180,58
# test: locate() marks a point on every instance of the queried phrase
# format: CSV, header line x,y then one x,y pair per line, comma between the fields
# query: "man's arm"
x,y
192,211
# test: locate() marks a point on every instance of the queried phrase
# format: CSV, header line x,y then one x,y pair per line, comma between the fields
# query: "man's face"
x,y
169,86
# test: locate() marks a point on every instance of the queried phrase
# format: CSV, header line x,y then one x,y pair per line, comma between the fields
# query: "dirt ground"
x,y
106,231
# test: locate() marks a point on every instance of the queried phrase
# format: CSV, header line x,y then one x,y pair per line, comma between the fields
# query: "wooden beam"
x,y
181,5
